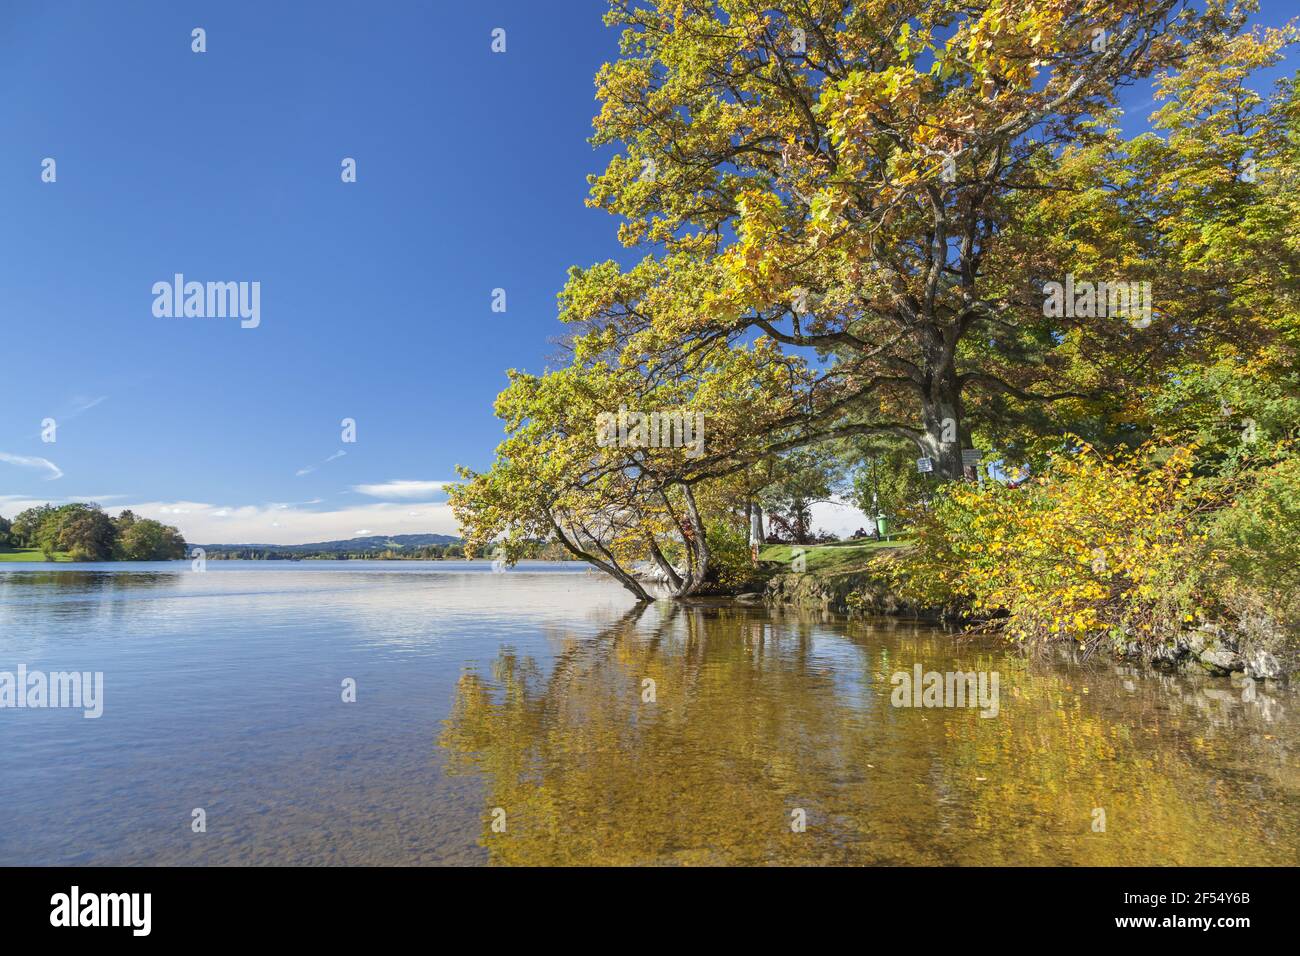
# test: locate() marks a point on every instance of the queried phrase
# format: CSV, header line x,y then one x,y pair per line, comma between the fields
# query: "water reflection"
x,y
14,585
757,715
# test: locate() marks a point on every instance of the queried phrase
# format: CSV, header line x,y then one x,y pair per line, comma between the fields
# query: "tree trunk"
x,y
697,547
670,574
941,412
756,538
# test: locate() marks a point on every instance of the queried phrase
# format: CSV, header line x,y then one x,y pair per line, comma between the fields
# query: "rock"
x,y
1221,659
1260,663
749,597
1167,653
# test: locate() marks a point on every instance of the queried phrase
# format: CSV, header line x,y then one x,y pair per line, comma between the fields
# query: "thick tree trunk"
x,y
756,524
942,440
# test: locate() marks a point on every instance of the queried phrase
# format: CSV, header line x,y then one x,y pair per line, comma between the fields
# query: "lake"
x,y
537,716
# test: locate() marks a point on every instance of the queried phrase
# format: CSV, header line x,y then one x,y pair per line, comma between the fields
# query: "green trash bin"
x,y
880,527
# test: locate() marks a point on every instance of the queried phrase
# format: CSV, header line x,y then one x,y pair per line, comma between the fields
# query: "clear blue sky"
x,y
375,296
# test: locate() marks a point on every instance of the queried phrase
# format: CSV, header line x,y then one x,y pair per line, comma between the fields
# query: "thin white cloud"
x,y
31,461
78,405
401,490
83,405
310,468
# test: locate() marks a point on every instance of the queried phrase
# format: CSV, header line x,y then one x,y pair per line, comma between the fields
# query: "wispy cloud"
x,y
401,490
76,406
310,468
31,461
80,405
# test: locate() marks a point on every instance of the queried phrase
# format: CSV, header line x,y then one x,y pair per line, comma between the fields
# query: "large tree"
x,y
850,214
850,177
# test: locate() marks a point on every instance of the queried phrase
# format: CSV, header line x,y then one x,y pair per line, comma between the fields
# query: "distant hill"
x,y
374,542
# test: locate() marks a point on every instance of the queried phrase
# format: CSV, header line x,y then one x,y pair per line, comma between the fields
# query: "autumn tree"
x,y
593,459
839,176
82,530
849,214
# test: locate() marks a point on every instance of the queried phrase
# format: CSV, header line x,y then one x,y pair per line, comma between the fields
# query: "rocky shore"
x,y
1254,647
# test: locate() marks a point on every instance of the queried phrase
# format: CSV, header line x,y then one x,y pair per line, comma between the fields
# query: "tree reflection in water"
x,y
759,713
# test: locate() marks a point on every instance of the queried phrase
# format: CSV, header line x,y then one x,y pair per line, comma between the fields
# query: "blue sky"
x,y
375,295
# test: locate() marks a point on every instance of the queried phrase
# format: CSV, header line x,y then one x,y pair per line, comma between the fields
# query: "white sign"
x,y
924,465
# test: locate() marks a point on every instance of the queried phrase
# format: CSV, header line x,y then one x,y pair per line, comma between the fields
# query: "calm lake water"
x,y
520,697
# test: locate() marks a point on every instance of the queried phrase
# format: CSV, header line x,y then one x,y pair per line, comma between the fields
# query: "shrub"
x,y
1095,549
730,564
1256,546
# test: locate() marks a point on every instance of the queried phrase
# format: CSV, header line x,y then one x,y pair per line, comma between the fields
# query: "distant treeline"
x,y
83,532
432,552
537,550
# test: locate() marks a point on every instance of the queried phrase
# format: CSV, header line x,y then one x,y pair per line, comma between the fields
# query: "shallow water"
x,y
521,699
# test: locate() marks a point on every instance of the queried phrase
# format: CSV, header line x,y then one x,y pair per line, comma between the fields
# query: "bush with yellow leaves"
x,y
1097,549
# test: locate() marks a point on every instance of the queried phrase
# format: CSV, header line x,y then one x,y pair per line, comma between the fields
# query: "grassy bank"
x,y
30,554
838,556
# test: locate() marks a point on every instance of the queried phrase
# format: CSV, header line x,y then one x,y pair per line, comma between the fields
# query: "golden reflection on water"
x,y
759,714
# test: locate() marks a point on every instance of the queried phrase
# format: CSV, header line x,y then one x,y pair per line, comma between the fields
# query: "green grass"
x,y
30,554
839,555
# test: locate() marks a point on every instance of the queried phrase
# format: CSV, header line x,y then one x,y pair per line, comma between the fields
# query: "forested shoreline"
x,y
81,531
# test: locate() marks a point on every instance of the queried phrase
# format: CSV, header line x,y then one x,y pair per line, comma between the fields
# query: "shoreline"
x,y
1218,648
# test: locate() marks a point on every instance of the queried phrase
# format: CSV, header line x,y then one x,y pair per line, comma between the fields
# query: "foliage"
x,y
616,498
891,185
1256,544
85,533
143,539
848,216
804,478
732,566
888,482
1097,548
25,525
